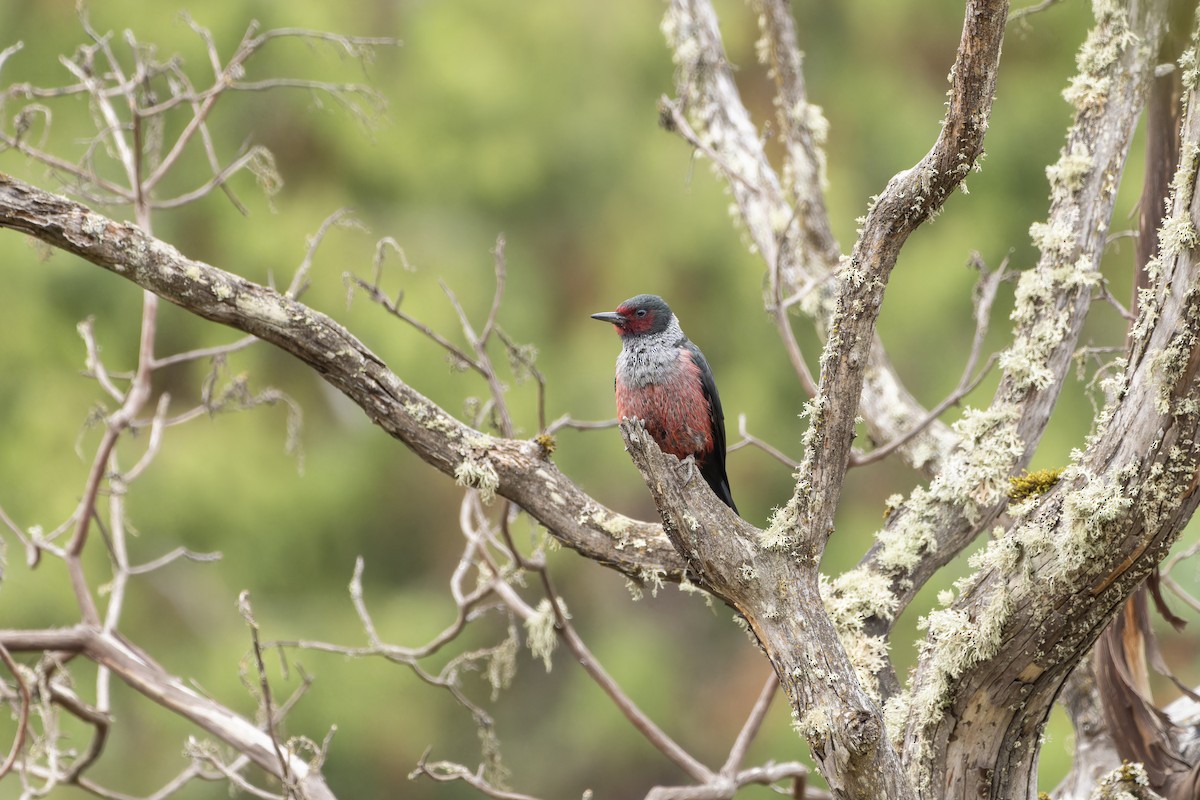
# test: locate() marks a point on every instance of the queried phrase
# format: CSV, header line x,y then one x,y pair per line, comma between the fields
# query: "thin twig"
x,y
879,453
94,363
264,687
100,721
983,300
23,712
447,772
173,555
1019,14
32,552
479,344
737,753
567,421
203,352
500,269
395,310
340,217
672,118
642,723
749,440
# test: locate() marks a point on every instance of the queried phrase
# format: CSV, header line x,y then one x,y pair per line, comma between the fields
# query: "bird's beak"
x,y
610,316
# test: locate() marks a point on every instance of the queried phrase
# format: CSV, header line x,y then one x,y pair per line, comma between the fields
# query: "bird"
x,y
664,380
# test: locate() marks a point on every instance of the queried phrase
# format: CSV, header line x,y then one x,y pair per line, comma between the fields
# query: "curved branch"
x,y
779,597
141,673
721,127
934,524
517,469
910,198
999,655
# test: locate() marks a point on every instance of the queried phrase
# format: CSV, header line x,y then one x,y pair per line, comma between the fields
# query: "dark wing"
x,y
713,467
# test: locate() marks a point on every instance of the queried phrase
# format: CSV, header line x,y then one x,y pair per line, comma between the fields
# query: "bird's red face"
x,y
635,319
638,316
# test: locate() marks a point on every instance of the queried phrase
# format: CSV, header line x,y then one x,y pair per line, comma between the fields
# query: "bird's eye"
x,y
641,312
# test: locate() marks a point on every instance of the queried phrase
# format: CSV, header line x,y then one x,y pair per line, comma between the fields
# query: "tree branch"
x,y
779,597
772,212
935,523
517,469
141,673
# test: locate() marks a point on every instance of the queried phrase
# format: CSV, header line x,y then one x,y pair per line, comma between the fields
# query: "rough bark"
x,y
997,657
971,491
520,470
780,600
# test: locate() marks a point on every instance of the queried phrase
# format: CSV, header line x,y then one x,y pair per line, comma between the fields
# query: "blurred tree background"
x,y
537,120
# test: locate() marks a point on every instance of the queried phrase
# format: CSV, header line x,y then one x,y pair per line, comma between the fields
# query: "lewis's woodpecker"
x,y
664,380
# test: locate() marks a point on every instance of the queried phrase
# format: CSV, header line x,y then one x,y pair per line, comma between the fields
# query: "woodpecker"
x,y
664,380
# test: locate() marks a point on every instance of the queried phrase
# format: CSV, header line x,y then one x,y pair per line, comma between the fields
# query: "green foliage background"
x,y
536,119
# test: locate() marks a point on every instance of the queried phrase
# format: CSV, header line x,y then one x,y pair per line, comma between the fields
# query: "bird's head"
x,y
639,316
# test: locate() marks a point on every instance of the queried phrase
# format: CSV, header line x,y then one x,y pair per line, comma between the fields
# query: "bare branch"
x,y
203,352
137,670
750,729
264,692
1021,14
798,264
935,523
173,555
24,698
514,468
910,198
749,440
447,771
300,279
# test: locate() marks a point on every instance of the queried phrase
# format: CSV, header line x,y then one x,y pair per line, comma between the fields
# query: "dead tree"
x,y
1065,552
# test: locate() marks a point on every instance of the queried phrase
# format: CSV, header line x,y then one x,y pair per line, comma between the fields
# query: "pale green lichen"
x,y
895,716
1105,43
855,595
1160,491
850,599
892,502
1003,554
1026,360
1088,92
654,578
1188,68
502,664
904,542
811,117
1167,367
687,587
1042,325
1088,511
614,525
1127,782
1176,235
540,634
955,641
990,448
775,535
815,726
478,475
1069,174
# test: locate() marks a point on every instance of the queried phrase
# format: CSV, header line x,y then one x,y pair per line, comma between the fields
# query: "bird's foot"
x,y
687,469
